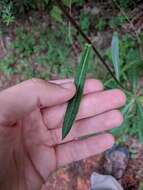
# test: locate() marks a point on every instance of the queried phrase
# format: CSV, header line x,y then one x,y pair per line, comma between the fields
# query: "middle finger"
x,y
91,105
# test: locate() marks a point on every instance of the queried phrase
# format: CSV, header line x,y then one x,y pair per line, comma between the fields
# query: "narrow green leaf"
x,y
74,103
140,120
132,72
115,54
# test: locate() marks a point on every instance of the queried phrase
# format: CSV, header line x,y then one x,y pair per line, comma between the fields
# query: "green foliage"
x,y
117,21
139,121
140,185
56,14
130,59
6,12
130,72
84,22
77,2
10,9
101,24
126,4
6,65
38,53
25,43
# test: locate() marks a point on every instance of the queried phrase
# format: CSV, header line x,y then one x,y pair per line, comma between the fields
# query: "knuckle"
x,y
36,80
100,84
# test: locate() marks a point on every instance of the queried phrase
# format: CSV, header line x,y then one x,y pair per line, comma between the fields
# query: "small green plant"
x,y
117,21
101,24
56,14
126,4
7,13
84,22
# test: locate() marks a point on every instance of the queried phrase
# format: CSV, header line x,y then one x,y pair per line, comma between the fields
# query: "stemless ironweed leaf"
x,y
115,54
74,103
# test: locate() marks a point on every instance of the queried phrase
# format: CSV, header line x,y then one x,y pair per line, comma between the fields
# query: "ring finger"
x,y
88,126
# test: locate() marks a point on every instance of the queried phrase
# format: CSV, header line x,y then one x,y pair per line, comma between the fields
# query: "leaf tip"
x,y
64,134
88,46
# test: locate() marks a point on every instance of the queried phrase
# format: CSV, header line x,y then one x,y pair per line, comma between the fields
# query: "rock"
x,y
116,160
104,182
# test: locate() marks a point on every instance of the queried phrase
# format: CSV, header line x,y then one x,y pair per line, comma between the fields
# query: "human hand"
x,y
31,118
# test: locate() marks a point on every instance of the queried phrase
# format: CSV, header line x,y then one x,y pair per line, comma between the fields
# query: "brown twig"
x,y
74,23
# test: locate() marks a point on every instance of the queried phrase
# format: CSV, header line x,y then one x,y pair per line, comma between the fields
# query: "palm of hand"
x,y
32,158
35,146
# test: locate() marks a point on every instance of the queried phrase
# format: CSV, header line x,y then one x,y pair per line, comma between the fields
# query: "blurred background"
x,y
38,40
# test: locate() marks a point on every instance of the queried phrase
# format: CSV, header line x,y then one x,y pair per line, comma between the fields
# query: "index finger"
x,y
19,100
91,85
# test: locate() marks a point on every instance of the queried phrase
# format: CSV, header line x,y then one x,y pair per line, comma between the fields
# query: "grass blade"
x,y
74,103
115,54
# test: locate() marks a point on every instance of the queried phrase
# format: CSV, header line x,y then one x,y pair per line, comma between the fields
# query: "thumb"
x,y
19,100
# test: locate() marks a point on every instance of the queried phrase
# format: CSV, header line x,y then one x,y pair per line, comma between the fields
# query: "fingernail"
x,y
68,85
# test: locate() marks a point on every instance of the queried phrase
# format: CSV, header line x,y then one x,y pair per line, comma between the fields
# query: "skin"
x,y
31,119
